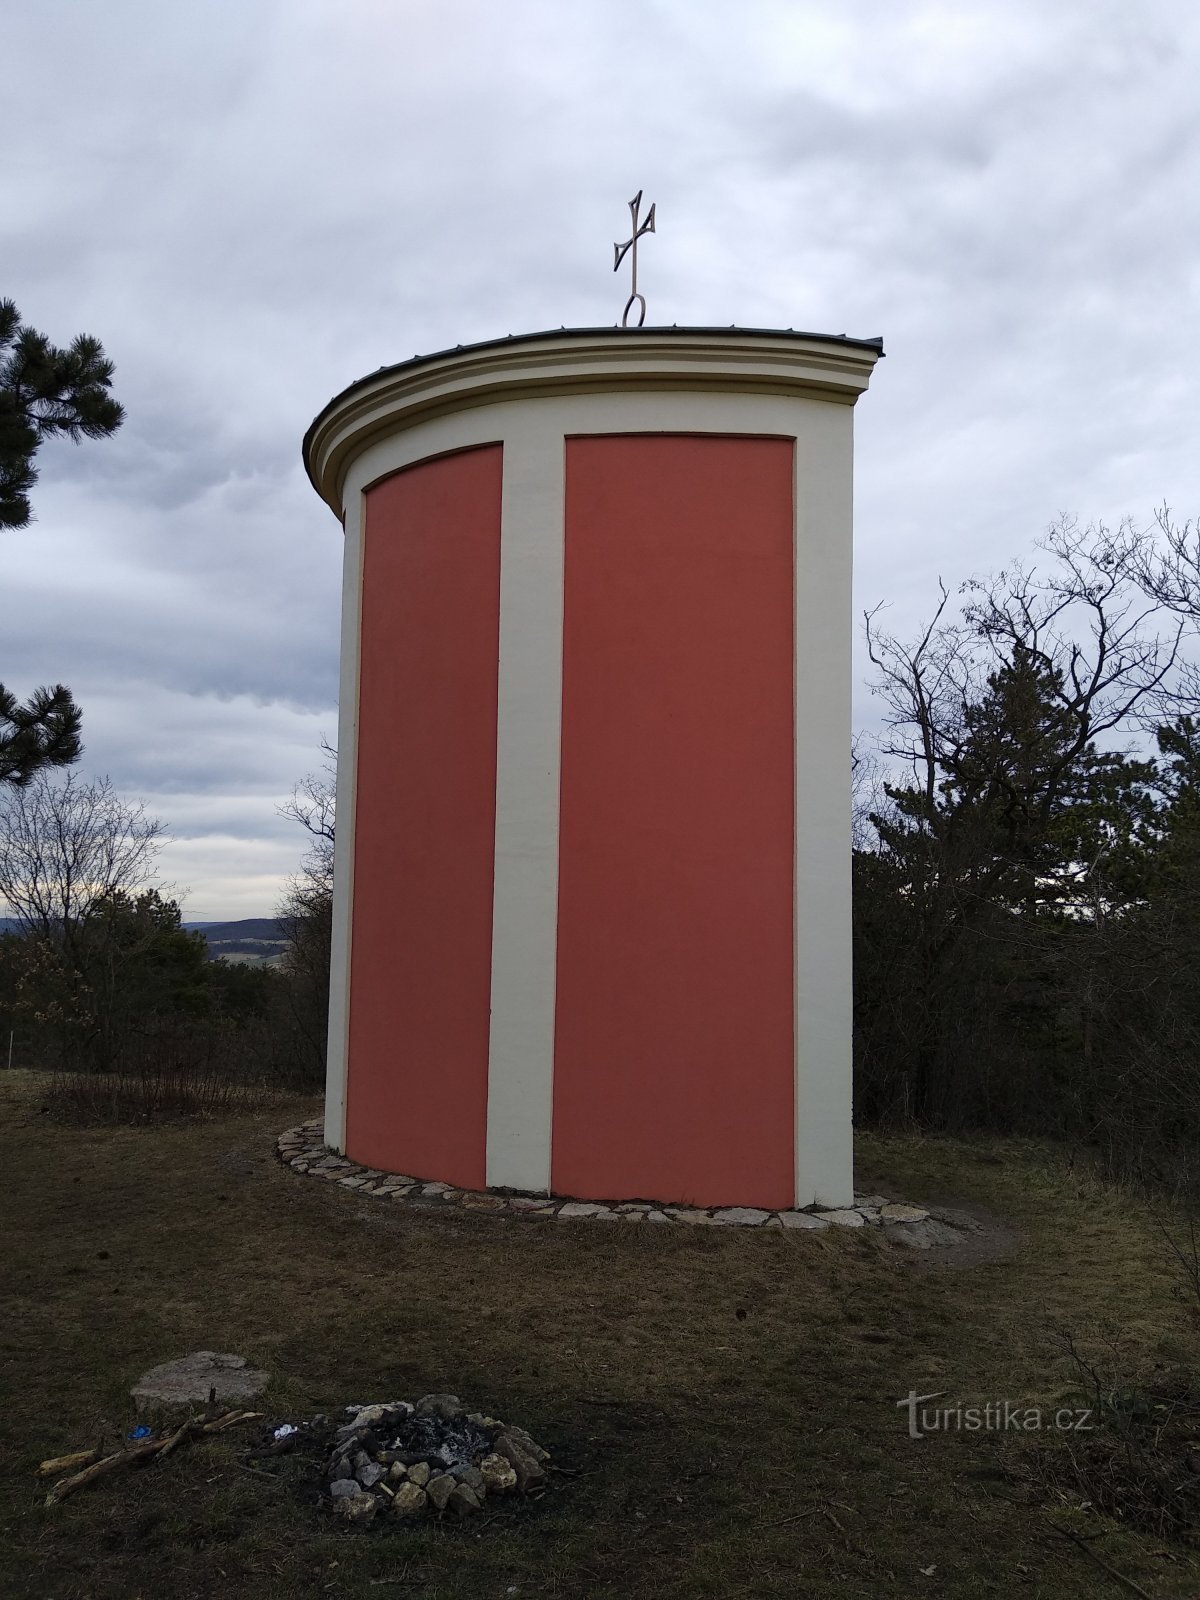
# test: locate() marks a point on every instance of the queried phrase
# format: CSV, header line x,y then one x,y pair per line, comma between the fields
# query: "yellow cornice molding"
x,y
580,361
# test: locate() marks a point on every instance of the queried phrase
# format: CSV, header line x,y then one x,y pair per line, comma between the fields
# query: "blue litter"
x,y
140,1432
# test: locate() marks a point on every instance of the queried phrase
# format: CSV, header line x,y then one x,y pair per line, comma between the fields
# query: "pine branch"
x,y
43,733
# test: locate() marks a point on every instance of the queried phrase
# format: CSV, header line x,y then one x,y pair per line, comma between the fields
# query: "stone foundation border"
x,y
304,1150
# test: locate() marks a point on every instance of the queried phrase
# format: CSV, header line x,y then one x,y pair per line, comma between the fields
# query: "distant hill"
x,y
251,939
246,928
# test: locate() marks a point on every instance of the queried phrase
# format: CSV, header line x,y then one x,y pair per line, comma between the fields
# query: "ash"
x,y
442,1441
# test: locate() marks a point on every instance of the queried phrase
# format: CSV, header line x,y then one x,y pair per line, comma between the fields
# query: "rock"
x,y
926,1235
371,1474
419,1473
871,1202
845,1219
528,1470
689,1214
741,1216
894,1211
409,1501
527,1443
577,1208
436,1188
352,1183
524,1202
361,1459
343,1488
653,1216
499,1476
189,1380
440,1489
397,1472
463,1500
632,1216
370,1415
445,1406
357,1507
482,1202
472,1477
801,1219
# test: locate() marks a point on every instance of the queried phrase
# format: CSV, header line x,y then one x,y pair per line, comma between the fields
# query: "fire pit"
x,y
412,1460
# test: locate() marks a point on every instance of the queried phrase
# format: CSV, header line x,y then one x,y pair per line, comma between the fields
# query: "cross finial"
x,y
631,245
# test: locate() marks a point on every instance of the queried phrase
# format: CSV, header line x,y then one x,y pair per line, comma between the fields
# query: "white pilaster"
x,y
343,848
525,905
823,638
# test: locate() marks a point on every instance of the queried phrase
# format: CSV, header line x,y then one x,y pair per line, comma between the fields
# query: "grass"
x,y
727,1397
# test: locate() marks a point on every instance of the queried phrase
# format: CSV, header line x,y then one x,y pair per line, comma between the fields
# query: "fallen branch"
x,y
1082,1544
258,1472
193,1428
101,1469
230,1419
177,1438
60,1464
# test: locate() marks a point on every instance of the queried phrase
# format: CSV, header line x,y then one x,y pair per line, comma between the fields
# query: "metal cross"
x,y
631,244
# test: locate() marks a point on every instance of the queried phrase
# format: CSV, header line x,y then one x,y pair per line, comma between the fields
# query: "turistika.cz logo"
x,y
994,1416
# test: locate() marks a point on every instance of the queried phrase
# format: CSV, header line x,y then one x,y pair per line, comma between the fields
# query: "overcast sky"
x,y
253,204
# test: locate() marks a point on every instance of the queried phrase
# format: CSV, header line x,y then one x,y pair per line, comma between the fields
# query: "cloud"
x,y
253,215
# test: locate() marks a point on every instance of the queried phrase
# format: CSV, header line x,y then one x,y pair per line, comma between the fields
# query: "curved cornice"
x,y
579,361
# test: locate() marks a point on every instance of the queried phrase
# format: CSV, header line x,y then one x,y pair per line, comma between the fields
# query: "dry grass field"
x,y
724,1401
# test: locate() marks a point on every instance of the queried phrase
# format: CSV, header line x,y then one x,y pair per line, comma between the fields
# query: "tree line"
x,y
1027,855
100,978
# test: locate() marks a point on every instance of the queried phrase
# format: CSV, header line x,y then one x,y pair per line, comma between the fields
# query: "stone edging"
x,y
304,1150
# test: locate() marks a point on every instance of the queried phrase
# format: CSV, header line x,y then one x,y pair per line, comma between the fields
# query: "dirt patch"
x,y
981,1236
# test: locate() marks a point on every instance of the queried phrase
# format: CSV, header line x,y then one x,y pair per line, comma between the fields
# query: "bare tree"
x,y
66,845
1085,624
867,793
306,912
313,805
1164,559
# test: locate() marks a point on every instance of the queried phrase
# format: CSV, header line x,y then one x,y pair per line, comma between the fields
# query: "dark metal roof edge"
x,y
414,362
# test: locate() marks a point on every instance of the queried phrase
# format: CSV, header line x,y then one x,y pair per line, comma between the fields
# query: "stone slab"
x,y
802,1219
190,1380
